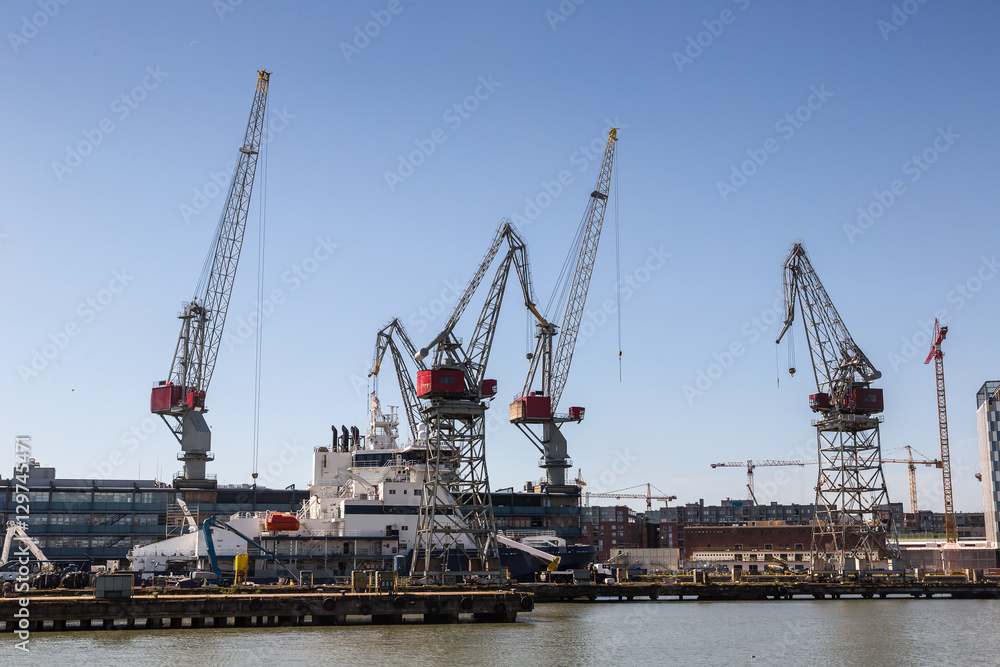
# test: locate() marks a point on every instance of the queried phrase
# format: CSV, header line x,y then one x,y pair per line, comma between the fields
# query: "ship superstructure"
x,y
363,511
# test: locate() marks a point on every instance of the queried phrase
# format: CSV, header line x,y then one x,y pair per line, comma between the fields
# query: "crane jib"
x,y
180,400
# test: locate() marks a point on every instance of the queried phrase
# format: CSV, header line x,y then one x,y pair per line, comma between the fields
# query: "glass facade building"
x,y
103,519
988,419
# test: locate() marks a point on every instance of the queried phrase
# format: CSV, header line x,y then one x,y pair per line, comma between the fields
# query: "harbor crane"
x,y
750,465
456,512
180,400
950,528
852,528
538,406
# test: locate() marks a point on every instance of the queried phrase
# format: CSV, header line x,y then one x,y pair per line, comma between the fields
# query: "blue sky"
x,y
865,130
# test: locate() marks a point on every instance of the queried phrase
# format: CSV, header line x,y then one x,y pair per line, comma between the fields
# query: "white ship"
x,y
362,514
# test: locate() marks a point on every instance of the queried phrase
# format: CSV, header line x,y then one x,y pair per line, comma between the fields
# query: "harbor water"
x,y
795,632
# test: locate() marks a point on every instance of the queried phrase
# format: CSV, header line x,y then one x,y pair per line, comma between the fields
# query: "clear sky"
x,y
401,132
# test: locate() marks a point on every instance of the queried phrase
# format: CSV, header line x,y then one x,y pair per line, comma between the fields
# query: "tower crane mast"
x,y
950,528
539,407
180,400
851,526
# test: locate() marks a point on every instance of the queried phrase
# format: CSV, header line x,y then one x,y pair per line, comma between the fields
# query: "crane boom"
x,y
838,362
750,465
505,231
193,366
180,400
950,528
478,352
386,339
539,407
584,269
648,496
16,532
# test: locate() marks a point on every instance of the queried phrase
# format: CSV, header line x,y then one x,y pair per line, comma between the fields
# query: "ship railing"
x,y
516,534
361,534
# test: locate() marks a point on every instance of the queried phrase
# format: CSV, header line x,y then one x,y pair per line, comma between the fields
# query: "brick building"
x,y
610,528
752,548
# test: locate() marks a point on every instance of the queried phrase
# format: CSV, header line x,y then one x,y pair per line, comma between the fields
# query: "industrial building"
x,y
988,418
540,509
103,519
756,548
943,557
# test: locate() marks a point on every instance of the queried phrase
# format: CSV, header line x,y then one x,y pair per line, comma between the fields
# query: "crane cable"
x,y
560,293
618,273
791,353
259,333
